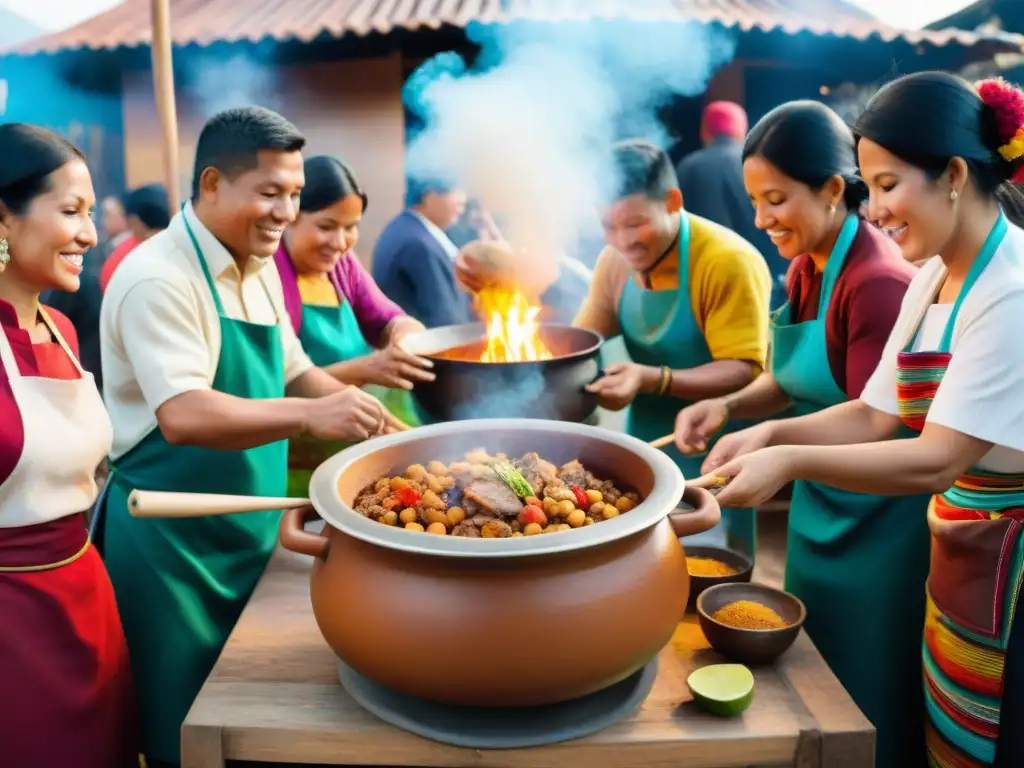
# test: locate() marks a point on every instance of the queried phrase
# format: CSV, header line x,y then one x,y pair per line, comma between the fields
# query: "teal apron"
x,y
181,584
331,335
659,329
858,562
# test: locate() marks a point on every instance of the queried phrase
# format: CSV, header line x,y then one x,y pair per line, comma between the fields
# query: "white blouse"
x,y
982,393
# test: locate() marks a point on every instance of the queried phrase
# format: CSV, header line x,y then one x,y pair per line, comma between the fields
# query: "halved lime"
x,y
722,689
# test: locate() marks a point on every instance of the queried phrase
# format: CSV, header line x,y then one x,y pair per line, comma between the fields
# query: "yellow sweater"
x,y
730,290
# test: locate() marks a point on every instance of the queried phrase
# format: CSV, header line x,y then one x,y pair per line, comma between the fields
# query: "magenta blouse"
x,y
373,310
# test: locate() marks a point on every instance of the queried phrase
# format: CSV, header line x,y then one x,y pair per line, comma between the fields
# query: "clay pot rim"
x,y
663,499
467,333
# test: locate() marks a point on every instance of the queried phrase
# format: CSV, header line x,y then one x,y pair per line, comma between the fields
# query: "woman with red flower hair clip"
x,y
937,154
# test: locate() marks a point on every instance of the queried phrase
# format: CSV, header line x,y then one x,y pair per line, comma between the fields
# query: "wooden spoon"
x,y
155,504
710,481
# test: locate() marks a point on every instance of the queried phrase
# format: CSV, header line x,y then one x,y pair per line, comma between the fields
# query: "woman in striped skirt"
x,y
936,153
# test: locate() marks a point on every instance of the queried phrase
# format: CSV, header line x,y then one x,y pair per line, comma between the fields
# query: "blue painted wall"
x,y
55,93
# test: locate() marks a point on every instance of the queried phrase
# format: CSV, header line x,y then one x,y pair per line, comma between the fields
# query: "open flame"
x,y
513,333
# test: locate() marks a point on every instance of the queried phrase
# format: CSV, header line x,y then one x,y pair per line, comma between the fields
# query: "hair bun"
x,y
1007,104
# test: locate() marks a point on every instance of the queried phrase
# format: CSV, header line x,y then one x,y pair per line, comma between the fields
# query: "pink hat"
x,y
723,118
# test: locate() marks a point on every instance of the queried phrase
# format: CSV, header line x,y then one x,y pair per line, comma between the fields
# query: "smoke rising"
x,y
216,80
526,129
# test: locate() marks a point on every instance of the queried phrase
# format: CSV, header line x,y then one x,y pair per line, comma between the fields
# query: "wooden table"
x,y
274,697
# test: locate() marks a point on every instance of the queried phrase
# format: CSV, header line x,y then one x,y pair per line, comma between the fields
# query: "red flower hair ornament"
x,y
1007,103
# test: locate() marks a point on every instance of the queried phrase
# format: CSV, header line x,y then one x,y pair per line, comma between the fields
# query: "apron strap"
x,y
48,321
684,256
988,251
836,260
984,258
202,263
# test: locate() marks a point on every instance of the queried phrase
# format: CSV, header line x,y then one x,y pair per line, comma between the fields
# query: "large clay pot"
x,y
500,622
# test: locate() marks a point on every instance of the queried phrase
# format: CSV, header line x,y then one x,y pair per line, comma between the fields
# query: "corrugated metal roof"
x,y
204,22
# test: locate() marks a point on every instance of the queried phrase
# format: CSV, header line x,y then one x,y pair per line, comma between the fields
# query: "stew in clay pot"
x,y
517,621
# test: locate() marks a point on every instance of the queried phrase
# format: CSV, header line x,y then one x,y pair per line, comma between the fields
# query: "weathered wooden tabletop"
x,y
274,697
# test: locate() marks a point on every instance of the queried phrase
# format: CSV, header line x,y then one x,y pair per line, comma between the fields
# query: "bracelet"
x,y
665,381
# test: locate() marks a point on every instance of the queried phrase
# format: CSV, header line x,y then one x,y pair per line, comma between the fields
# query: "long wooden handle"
x,y
662,442
709,482
169,504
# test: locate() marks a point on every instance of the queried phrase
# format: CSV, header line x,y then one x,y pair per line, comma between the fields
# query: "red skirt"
x,y
66,691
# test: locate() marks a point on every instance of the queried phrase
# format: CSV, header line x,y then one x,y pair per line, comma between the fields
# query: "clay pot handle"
x,y
706,513
293,537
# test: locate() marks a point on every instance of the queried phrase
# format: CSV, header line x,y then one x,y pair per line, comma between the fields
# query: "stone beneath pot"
x,y
506,727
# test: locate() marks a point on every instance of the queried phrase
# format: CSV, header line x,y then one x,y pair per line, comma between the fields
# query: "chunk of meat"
x,y
492,496
466,529
573,473
538,473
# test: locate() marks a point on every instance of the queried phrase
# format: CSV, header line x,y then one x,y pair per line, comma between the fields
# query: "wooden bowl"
x,y
750,646
744,570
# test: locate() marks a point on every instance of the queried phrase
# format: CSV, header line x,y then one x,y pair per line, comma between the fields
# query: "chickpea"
x,y
389,518
458,467
435,517
588,521
415,472
398,483
432,500
409,515
438,529
517,535
610,512
532,529
382,485
577,518
595,496
532,501
597,510
496,529
565,508
414,527
456,515
437,468
562,494
564,527
625,504
549,506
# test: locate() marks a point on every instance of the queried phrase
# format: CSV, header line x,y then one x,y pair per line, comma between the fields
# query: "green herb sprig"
x,y
513,478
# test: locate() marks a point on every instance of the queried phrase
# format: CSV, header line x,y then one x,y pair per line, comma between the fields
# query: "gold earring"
x,y
953,195
5,254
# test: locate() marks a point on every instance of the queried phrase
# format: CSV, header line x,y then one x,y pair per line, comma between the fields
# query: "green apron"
x,y
330,335
858,562
659,329
181,584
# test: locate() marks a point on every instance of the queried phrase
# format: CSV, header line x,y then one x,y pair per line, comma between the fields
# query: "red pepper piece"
x,y
581,496
408,497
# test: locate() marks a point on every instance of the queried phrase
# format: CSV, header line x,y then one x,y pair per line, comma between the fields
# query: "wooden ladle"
x,y
164,504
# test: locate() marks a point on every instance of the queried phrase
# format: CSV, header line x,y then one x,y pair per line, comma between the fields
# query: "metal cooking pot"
x,y
500,622
545,389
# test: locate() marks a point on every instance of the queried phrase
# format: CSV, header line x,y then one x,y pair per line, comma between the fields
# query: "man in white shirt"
x,y
205,383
